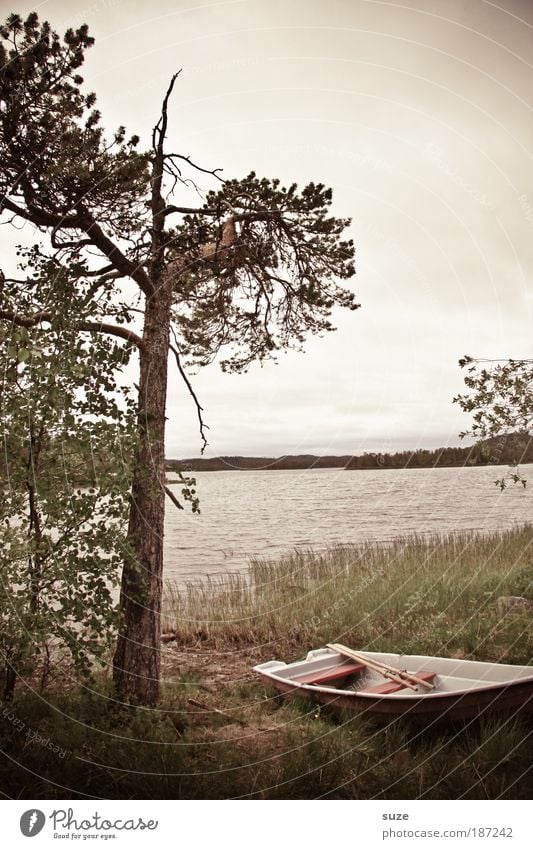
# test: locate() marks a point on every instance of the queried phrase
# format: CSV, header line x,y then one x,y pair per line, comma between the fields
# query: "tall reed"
x,y
420,594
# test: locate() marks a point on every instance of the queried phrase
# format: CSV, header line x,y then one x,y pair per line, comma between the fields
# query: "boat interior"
x,y
327,669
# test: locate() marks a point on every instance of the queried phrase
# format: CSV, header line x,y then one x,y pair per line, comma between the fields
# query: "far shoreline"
x,y
508,450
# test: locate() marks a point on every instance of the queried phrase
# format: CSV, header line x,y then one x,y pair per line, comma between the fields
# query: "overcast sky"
x,y
419,116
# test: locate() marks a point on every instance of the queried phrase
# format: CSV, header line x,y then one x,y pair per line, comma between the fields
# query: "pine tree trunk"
x,y
136,665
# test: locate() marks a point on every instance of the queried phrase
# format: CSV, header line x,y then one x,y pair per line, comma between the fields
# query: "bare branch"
x,y
115,255
160,129
188,210
173,498
98,327
96,273
113,330
199,408
79,243
38,216
172,169
211,171
157,204
258,215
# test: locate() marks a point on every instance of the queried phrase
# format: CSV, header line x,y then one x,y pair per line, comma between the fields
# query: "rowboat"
x,y
414,685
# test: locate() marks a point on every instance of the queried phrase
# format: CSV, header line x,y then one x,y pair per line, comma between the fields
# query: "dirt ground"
x,y
212,667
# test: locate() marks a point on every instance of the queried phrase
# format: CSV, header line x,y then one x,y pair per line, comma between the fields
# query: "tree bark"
x,y
8,679
136,665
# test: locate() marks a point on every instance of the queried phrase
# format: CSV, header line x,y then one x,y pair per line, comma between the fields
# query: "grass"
x,y
236,738
426,595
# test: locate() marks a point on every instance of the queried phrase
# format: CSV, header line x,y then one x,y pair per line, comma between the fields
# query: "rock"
x,y
513,604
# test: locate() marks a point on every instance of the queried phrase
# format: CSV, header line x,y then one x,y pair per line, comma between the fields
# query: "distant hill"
x,y
497,451
293,461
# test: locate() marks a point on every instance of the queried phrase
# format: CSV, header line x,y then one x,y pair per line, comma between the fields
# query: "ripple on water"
x,y
258,514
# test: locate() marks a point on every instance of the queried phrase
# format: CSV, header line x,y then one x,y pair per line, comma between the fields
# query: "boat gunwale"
x,y
402,695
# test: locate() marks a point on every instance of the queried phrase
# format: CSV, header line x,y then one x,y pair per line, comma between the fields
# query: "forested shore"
x,y
497,451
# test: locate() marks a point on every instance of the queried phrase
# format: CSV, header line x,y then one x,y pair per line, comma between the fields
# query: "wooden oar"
x,y
398,675
385,671
381,667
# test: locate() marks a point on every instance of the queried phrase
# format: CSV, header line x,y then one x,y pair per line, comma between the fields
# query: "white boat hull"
x,y
462,688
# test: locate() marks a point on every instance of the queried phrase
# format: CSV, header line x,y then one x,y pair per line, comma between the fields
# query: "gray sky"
x,y
419,115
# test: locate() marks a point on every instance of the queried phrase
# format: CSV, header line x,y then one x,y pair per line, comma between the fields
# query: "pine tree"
x,y
252,270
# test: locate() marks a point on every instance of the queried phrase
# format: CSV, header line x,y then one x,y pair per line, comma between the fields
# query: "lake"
x,y
264,514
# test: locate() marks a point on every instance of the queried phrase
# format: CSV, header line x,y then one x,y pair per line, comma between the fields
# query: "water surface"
x,y
256,513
